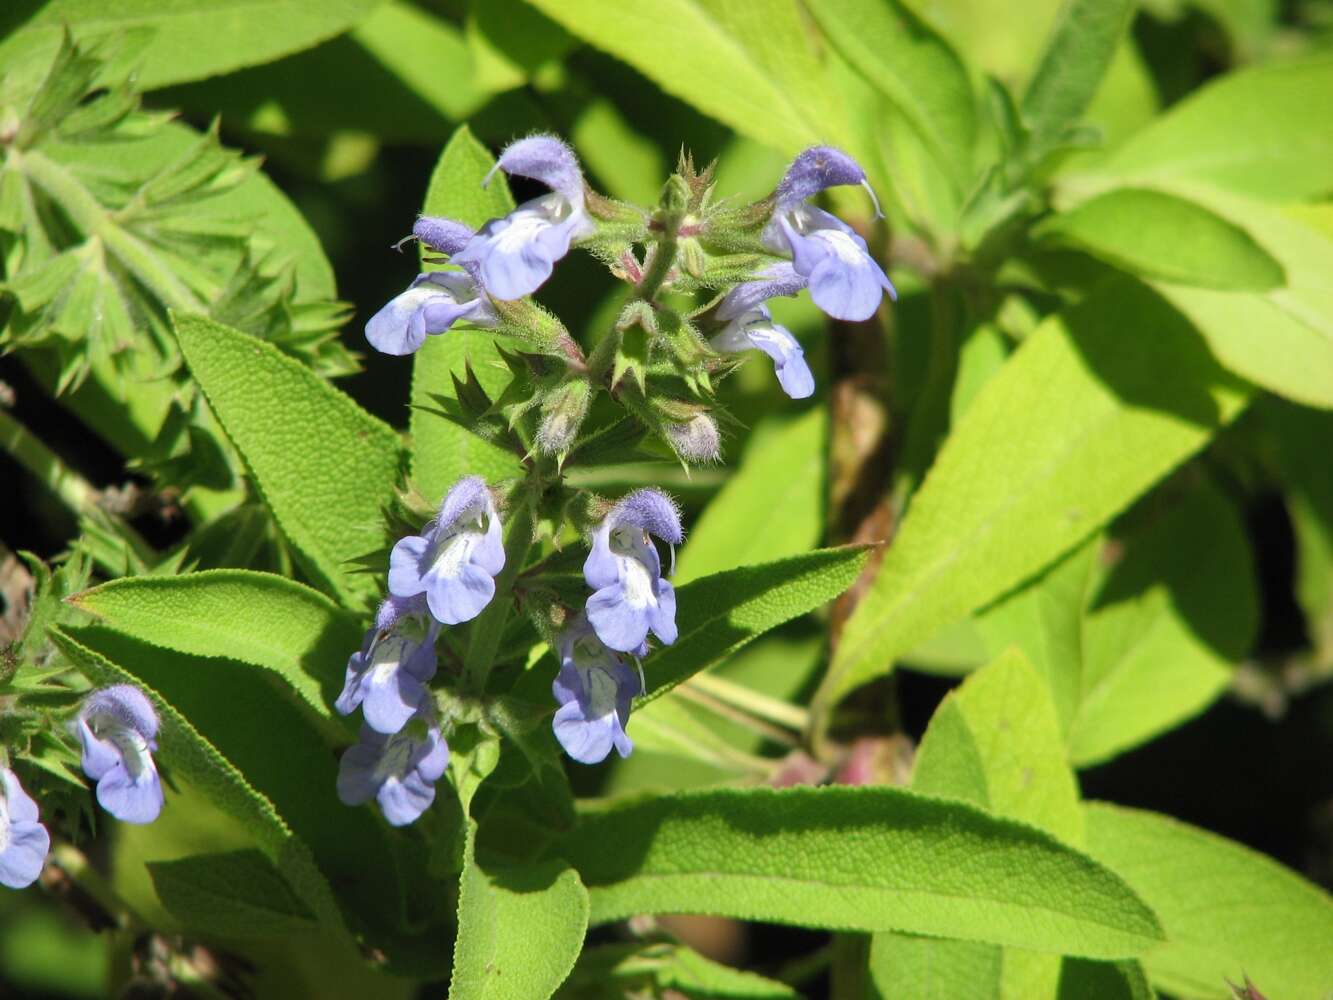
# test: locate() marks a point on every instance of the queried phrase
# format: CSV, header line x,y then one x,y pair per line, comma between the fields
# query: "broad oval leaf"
x,y
1096,405
325,467
1263,131
1165,236
1228,912
862,859
1282,338
520,930
750,66
257,618
194,39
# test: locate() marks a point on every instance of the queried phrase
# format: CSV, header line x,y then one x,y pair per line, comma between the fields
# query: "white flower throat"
x,y
132,746
455,551
631,547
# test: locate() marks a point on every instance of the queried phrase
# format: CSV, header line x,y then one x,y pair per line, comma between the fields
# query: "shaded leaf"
x,y
236,894
854,859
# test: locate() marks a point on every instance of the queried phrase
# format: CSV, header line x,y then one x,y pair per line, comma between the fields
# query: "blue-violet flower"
x,y
595,687
455,561
398,771
433,303
845,281
750,326
387,676
625,571
23,841
514,255
118,729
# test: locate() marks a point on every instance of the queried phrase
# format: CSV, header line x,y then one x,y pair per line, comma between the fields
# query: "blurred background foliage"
x,y
350,129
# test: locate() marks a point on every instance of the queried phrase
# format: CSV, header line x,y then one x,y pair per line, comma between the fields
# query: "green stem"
x,y
488,628
663,256
775,710
32,453
718,707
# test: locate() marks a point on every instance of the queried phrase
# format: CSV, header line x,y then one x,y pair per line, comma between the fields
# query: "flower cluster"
x,y
444,576
447,575
117,727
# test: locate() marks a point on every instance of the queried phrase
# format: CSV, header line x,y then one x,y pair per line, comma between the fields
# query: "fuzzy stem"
x,y
663,256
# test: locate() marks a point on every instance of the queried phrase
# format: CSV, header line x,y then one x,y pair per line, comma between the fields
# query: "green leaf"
x,y
772,506
1283,338
1083,979
998,744
1160,235
1255,131
192,39
185,748
1013,734
241,716
324,466
256,618
912,66
1228,912
659,967
908,965
442,451
1080,421
1078,53
721,613
380,78
234,894
749,65
854,859
520,930
1136,635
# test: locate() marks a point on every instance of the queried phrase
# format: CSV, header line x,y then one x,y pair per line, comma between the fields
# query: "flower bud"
x,y
562,415
695,440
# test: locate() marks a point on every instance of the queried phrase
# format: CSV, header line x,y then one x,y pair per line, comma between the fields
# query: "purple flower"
x,y
387,676
398,771
118,729
455,562
23,841
625,572
432,303
750,326
595,687
845,281
514,255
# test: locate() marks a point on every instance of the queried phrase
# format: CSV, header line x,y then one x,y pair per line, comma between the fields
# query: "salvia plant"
x,y
799,458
